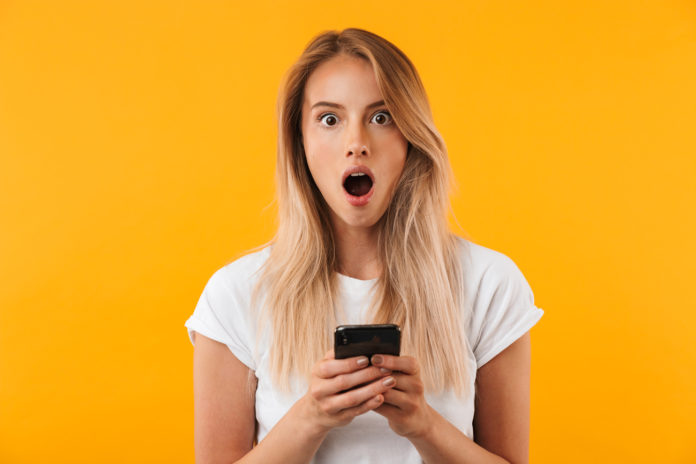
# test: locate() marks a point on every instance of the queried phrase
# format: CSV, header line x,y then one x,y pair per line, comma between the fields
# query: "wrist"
x,y
308,421
427,426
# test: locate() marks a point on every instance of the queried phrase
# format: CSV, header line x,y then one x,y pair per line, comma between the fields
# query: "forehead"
x,y
342,79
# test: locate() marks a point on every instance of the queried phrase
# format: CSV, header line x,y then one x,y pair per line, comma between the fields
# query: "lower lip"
x,y
359,201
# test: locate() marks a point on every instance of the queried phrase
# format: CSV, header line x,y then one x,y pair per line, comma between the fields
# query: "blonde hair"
x,y
421,286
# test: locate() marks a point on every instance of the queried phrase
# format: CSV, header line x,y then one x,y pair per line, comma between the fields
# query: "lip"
x,y
358,168
359,201
364,199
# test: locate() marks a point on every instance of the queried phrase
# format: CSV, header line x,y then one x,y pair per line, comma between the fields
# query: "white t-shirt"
x,y
502,305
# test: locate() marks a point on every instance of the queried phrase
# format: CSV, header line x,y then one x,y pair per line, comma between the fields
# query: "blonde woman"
x,y
362,189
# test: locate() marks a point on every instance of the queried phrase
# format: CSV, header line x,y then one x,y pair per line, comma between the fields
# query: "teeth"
x,y
356,174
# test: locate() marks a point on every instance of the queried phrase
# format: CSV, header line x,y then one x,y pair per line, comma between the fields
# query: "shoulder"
x,y
500,301
485,265
241,273
223,309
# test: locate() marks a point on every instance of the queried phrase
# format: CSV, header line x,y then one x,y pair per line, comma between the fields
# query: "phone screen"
x,y
366,340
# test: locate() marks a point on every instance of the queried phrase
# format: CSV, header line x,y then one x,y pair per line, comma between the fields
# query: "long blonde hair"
x,y
421,287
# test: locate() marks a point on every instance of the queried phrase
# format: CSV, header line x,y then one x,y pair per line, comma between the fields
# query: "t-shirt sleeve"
x,y
504,310
221,314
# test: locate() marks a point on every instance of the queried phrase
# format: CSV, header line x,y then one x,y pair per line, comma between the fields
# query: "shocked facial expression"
x,y
355,152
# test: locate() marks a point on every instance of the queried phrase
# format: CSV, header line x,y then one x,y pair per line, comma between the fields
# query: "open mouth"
x,y
357,184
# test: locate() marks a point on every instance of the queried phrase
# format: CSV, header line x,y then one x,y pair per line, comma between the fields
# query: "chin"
x,y
364,216
359,220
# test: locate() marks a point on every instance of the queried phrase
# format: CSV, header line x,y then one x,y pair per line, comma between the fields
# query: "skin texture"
x,y
337,138
224,387
223,403
501,415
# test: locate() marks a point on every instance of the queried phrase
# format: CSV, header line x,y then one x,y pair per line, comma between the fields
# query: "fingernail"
x,y
389,382
362,362
384,371
377,359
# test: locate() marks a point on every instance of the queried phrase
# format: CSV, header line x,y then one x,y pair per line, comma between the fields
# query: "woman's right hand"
x,y
329,405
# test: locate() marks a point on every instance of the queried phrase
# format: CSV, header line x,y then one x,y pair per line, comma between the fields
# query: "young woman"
x,y
362,188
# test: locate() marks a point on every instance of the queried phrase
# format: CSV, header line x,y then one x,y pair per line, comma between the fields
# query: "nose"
x,y
356,142
352,150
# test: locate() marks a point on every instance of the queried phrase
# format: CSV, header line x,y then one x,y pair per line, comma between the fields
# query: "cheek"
x,y
397,157
319,168
317,144
320,155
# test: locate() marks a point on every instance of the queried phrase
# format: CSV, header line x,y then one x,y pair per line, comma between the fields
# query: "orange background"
x,y
137,149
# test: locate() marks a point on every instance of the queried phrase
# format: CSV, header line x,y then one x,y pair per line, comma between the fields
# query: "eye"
x,y
331,119
384,120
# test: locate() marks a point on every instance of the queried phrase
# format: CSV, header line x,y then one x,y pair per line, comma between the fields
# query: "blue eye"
x,y
321,118
383,112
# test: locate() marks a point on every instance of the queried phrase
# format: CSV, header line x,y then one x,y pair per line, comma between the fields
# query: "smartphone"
x,y
366,340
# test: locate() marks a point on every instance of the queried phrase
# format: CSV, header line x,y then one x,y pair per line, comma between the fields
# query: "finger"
x,y
354,397
388,411
399,399
329,354
342,382
368,405
408,383
328,368
407,364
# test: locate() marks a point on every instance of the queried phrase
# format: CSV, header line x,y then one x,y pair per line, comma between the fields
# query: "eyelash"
x,y
321,116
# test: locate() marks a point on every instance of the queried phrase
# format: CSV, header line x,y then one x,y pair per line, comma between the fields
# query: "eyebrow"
x,y
336,105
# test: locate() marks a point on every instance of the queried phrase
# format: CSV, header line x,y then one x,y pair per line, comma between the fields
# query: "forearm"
x,y
293,440
443,443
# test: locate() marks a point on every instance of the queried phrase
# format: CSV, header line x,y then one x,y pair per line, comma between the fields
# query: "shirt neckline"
x,y
352,281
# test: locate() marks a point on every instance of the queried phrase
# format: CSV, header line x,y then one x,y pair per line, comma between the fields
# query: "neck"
x,y
356,249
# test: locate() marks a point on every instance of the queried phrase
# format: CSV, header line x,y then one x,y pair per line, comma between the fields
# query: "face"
x,y
354,150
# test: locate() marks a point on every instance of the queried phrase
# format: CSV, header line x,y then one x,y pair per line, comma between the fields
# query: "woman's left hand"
x,y
404,405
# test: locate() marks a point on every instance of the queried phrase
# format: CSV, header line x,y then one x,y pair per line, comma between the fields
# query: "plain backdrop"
x,y
137,151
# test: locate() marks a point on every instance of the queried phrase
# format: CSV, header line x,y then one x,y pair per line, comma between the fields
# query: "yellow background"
x,y
137,149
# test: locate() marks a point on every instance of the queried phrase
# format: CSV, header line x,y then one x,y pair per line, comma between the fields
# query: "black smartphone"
x,y
366,340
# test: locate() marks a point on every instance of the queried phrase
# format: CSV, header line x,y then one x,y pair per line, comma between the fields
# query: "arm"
x,y
223,391
224,407
501,417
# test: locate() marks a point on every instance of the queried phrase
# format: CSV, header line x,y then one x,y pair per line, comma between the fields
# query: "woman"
x,y
362,189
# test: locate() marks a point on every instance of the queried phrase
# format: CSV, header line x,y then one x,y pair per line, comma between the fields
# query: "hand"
x,y
328,404
404,405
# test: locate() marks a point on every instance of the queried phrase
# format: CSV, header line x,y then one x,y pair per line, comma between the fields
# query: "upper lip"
x,y
358,168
